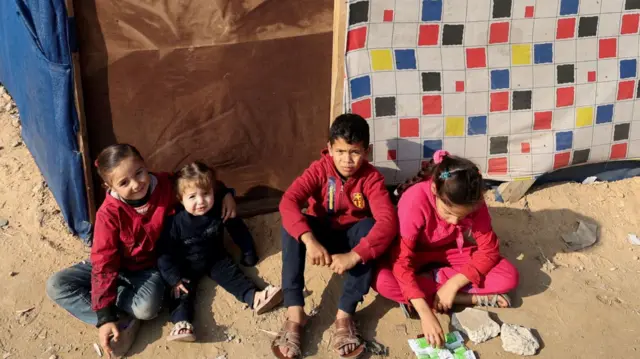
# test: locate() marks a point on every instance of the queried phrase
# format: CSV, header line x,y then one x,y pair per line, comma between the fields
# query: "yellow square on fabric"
x,y
584,116
521,54
454,126
381,60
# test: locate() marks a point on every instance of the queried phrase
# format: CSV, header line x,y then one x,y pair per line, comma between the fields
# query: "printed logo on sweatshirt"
x,y
358,200
331,198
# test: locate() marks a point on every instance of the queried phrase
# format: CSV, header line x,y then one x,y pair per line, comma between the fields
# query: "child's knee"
x,y
55,285
510,275
147,309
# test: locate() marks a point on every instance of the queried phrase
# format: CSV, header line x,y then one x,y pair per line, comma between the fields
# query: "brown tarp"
x,y
242,85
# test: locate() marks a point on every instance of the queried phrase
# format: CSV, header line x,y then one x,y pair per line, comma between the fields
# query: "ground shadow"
x,y
207,330
150,332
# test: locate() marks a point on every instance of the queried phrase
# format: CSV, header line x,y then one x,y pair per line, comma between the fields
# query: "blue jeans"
x,y
140,293
358,279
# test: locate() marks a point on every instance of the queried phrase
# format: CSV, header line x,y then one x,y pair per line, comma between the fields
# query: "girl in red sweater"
x,y
120,283
445,223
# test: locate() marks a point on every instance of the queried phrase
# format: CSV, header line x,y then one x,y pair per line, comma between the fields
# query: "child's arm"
x,y
412,222
386,221
105,261
302,188
169,270
488,253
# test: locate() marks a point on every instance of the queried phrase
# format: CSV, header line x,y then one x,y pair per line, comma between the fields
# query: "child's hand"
x,y
315,251
432,330
105,332
228,207
341,263
443,300
180,288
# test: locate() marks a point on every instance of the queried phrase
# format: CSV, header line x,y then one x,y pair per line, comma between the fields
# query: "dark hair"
x,y
194,174
458,181
350,127
110,158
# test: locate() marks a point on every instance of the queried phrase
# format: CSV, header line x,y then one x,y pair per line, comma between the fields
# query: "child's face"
x,y
347,157
130,179
197,201
451,213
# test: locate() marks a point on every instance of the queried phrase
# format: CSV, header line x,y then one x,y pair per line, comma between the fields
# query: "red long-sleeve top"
x,y
422,232
126,240
360,196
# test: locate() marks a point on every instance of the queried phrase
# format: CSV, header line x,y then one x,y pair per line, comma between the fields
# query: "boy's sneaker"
x,y
128,331
249,259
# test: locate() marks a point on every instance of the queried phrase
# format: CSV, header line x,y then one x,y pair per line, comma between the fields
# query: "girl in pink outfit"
x,y
445,223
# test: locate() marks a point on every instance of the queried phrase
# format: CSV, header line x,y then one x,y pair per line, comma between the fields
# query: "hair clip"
x,y
445,175
439,156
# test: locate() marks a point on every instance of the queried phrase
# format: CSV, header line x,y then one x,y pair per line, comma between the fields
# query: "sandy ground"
x,y
586,307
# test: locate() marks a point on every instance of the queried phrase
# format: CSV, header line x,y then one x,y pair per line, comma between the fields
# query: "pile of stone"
x,y
479,327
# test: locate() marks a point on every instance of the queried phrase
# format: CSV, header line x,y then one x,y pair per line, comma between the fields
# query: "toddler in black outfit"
x,y
192,246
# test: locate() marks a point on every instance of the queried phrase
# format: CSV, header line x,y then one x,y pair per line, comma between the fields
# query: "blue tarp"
x,y
36,68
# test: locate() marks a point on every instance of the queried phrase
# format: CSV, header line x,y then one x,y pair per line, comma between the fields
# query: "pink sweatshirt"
x,y
423,233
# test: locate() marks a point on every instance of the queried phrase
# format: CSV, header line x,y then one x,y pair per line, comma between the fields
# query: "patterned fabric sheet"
x,y
520,87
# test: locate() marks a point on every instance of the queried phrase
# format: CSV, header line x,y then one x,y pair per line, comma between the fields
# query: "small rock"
x,y
17,144
43,334
613,269
8,107
238,340
476,324
6,355
13,274
635,258
15,122
549,266
4,222
518,340
520,257
53,357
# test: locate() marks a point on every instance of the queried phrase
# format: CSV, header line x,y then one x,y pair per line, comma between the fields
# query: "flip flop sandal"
x,y
176,336
491,301
408,311
288,337
267,299
128,331
346,333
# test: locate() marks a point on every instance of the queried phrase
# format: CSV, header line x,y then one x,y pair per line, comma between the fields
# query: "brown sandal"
x,y
289,337
346,333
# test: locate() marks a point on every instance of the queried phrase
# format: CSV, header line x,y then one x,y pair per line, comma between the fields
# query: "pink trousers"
x,y
501,279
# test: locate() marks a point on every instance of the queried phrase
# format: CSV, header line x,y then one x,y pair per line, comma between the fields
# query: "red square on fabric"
x,y
459,86
498,166
542,120
630,24
356,38
476,58
561,160
618,151
409,127
565,96
432,105
429,35
528,11
525,147
566,28
391,155
499,101
388,16
626,89
591,76
362,108
608,48
499,33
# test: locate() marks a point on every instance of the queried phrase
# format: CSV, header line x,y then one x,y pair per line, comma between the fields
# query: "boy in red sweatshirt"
x,y
350,221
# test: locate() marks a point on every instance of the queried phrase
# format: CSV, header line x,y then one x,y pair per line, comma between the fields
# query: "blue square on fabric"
x,y
406,59
543,53
628,68
477,125
604,114
499,79
569,7
564,140
360,87
431,10
430,147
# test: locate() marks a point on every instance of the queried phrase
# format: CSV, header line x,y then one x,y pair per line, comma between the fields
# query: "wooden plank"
x,y
83,137
513,191
337,62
